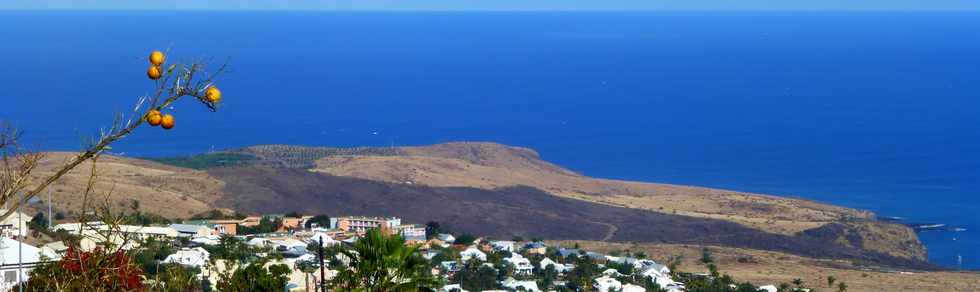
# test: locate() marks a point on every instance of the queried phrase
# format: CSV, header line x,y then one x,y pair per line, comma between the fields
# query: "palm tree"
x,y
842,287
830,281
382,263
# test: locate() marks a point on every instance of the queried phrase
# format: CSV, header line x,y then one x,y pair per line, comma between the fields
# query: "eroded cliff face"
x,y
883,237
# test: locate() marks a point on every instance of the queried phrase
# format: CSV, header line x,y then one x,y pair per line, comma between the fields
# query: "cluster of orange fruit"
x,y
166,121
156,60
155,118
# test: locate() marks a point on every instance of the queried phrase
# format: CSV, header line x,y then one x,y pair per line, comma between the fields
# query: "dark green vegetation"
x,y
266,225
208,160
39,221
301,156
268,155
255,277
234,249
383,263
318,220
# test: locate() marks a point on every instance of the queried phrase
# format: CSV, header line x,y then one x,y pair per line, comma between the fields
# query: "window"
x,y
10,276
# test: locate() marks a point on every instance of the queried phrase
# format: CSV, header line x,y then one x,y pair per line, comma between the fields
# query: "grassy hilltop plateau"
x,y
502,191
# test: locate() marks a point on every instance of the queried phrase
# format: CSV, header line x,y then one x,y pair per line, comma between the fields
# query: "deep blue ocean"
x,y
869,110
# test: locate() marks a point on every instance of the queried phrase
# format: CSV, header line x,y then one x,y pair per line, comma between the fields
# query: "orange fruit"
x,y
167,121
213,94
156,58
154,72
154,118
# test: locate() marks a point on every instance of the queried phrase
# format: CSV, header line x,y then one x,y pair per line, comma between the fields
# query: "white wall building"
x,y
633,288
521,265
606,284
13,252
192,257
15,225
513,285
472,252
502,245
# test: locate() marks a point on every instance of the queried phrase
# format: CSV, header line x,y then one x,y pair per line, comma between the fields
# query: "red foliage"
x,y
112,269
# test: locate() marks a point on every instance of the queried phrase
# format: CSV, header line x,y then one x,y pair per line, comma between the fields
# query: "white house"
x,y
206,240
14,225
662,269
192,257
258,241
514,285
452,288
638,264
327,240
449,266
502,245
472,252
447,238
611,273
659,274
191,230
633,288
548,262
522,266
560,268
96,230
606,284
13,252
769,288
305,258
429,254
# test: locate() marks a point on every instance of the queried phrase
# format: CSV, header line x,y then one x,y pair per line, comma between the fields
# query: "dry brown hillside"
x,y
770,267
179,192
490,166
162,189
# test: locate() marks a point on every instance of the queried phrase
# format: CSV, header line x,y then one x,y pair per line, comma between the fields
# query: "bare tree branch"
x,y
18,165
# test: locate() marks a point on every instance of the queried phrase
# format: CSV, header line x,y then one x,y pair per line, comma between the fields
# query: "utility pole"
x,y
20,246
206,280
50,220
322,286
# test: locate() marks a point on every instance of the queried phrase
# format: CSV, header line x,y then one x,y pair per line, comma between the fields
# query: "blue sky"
x,y
497,4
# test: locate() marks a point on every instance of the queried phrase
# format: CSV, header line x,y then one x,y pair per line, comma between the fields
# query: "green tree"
x,y
266,225
320,220
798,282
784,287
255,277
830,281
151,252
39,221
380,263
647,283
465,239
432,228
706,257
476,277
233,249
622,268
842,287
580,278
547,276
